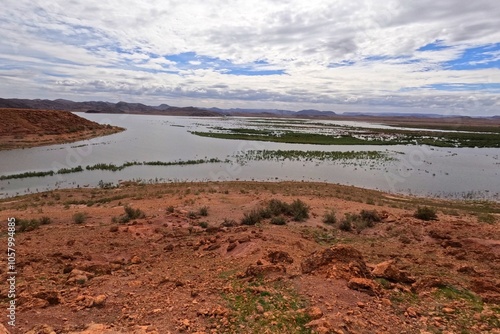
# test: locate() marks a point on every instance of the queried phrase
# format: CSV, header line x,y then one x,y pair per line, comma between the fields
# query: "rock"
x,y
135,260
259,308
342,260
412,312
96,329
99,300
52,297
428,282
319,326
212,247
451,243
364,285
79,276
468,270
3,330
439,235
41,329
244,239
113,229
389,271
169,248
314,312
254,270
231,246
448,310
276,257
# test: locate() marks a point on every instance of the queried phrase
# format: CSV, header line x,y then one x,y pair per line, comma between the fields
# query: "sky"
x,y
423,56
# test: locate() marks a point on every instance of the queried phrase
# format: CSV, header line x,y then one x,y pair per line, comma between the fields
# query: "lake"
x,y
470,173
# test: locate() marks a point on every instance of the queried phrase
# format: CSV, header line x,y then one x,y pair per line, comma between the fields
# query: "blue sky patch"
x,y
434,46
193,61
487,56
465,87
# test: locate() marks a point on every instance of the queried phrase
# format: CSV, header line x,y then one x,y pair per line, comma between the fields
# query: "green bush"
x,y
345,225
170,209
278,220
277,207
132,213
299,210
425,213
228,222
251,218
203,224
79,217
203,211
25,225
330,218
370,217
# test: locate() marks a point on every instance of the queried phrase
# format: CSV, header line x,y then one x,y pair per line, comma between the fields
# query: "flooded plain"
x,y
470,173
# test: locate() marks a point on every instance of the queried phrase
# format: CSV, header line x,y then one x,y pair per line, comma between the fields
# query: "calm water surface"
x,y
419,170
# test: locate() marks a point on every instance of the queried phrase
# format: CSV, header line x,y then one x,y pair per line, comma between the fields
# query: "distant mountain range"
x,y
162,109
165,109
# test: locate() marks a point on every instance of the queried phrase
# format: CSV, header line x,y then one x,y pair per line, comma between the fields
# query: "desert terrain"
x,y
249,257
22,128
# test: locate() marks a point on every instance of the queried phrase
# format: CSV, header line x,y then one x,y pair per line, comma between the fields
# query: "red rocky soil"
x,y
21,128
178,271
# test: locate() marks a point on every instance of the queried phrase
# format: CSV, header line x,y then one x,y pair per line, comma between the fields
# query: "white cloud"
x,y
338,55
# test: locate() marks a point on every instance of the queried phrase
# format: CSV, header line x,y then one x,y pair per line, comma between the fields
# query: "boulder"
x,y
340,261
364,285
276,257
390,272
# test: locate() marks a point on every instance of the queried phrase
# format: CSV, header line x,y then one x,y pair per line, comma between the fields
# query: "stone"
x,y
276,257
412,312
342,261
254,270
231,246
99,300
448,310
389,271
363,285
3,330
135,260
52,297
314,312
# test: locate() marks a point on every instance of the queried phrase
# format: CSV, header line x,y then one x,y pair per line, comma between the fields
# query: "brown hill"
x,y
27,128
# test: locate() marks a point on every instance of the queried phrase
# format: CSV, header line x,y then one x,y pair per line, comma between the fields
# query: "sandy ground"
x,y
189,265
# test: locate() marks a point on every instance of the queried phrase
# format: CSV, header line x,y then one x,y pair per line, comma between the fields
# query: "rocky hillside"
x,y
27,127
247,257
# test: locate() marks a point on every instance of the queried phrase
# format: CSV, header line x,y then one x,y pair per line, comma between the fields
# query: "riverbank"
x,y
186,257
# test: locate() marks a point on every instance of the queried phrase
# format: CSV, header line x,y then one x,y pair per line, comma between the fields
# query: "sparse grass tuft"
x,y
330,218
79,217
278,220
130,213
425,213
299,210
251,218
487,218
203,211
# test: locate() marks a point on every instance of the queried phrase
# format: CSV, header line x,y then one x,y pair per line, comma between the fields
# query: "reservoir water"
x,y
470,173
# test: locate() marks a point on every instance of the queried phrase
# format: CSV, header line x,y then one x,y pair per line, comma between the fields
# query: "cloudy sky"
x,y
433,56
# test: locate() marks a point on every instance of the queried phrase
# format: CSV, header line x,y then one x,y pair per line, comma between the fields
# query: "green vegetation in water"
x,y
353,136
110,167
297,155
